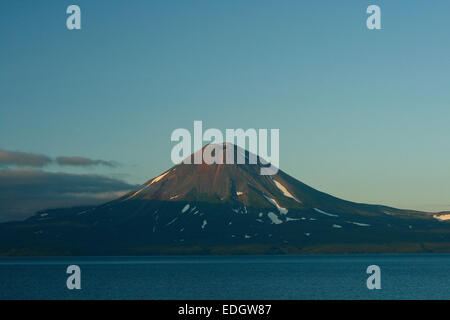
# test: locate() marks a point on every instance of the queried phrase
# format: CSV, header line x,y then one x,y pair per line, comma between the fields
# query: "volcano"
x,y
225,209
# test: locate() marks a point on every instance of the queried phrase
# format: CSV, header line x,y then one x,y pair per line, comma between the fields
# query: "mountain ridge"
x,y
225,209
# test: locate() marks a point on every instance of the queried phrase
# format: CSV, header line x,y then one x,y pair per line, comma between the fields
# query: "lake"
x,y
407,276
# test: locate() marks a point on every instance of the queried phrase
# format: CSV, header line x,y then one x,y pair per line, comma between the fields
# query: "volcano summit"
x,y
225,209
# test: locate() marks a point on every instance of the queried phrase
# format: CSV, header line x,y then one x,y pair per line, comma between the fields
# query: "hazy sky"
x,y
363,115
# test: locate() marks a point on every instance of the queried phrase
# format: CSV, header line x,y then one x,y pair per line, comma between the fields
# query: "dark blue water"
x,y
239,277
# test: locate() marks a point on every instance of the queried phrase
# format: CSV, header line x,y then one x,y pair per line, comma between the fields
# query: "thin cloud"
x,y
23,159
34,160
23,192
83,162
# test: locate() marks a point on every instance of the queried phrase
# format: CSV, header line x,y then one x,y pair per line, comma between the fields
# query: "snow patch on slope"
x,y
136,193
442,217
274,218
359,224
280,208
326,213
158,178
285,191
172,221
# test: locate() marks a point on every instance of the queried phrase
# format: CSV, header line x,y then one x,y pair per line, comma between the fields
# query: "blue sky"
x,y
362,114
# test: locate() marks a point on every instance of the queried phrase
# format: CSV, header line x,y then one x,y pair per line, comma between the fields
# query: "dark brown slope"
x,y
242,184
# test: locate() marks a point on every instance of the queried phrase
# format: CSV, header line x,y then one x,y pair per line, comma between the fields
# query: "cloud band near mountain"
x,y
83,162
26,159
23,159
25,191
